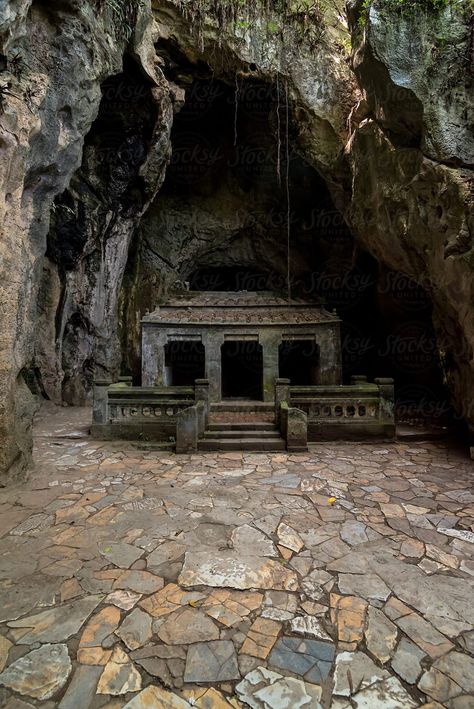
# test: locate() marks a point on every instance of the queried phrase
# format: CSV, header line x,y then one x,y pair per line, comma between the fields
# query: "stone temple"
x,y
242,370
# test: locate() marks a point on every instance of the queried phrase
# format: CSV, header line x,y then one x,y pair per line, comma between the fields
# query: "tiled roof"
x,y
238,308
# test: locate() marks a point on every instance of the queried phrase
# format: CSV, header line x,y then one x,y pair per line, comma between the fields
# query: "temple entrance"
x,y
299,362
242,370
184,363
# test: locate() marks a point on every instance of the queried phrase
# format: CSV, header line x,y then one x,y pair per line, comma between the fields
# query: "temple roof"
x,y
237,308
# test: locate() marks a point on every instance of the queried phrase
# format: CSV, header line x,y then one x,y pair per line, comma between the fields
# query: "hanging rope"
x,y
278,131
236,112
288,214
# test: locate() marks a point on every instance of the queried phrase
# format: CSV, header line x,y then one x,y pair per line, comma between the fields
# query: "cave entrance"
x,y
184,363
298,361
242,370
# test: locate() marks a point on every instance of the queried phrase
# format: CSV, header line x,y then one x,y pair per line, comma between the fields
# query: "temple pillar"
x,y
213,343
153,357
270,342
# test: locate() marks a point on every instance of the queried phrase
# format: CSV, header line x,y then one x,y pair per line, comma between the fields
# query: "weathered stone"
x,y
308,625
139,582
125,600
424,635
119,675
354,533
135,630
100,626
289,538
187,626
367,586
81,690
279,605
5,646
388,694
40,673
407,661
157,698
211,662
34,523
380,635
120,554
250,541
349,613
438,686
355,669
261,638
230,607
240,572
57,624
265,689
311,659
460,668
164,554
169,599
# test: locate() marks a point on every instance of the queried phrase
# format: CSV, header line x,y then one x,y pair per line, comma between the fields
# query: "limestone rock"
x,y
380,635
119,675
40,673
136,629
266,689
211,662
187,626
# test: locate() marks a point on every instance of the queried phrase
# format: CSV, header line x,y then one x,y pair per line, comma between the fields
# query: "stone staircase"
x,y
242,426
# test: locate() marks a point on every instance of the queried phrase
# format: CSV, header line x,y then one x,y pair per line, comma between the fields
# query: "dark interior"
x,y
242,370
184,362
299,362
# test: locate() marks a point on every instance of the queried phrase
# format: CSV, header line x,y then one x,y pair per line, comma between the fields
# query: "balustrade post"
x,y
282,393
100,400
187,430
387,399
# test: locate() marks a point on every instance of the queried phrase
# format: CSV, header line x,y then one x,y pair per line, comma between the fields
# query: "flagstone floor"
x,y
339,578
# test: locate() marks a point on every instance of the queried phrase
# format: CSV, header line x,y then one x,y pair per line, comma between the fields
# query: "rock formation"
x,y
90,92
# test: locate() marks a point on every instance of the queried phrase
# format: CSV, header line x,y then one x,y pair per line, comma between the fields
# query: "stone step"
x,y
242,444
241,433
241,426
240,406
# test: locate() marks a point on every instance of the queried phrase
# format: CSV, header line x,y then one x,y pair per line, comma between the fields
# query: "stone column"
x,y
201,394
187,430
329,356
282,393
153,357
387,398
99,406
213,342
270,342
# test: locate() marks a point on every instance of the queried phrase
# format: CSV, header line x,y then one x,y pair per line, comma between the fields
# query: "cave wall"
x,y
389,136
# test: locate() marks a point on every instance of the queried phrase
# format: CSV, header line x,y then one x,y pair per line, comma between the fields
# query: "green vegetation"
x,y
304,18
408,7
124,13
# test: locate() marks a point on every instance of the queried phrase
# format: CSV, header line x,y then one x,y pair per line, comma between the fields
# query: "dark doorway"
x,y
242,370
299,362
184,363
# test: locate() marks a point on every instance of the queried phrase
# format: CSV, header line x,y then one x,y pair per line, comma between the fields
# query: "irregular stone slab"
x,y
424,635
460,668
119,675
35,523
348,612
56,624
139,581
407,661
157,698
265,689
311,659
147,503
389,694
136,629
211,662
289,538
261,638
204,698
164,554
125,600
354,533
120,554
5,646
235,571
279,605
360,669
317,583
93,656
40,673
367,586
100,627
309,625
462,534
170,599
248,540
230,607
81,690
188,626
438,686
380,635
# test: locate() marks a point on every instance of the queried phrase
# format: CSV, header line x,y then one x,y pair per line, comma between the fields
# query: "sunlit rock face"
x,y
95,232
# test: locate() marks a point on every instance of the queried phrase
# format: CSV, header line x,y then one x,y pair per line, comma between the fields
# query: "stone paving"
x,y
339,578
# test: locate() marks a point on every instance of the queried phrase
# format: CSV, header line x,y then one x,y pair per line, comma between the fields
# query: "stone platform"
x,y
342,577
